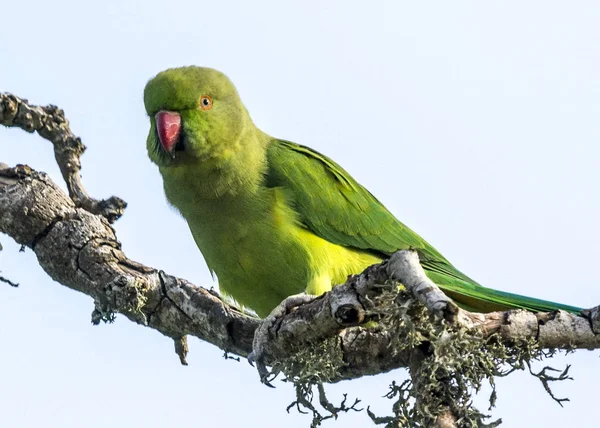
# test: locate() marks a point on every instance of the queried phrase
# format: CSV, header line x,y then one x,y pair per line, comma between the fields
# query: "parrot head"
x,y
196,116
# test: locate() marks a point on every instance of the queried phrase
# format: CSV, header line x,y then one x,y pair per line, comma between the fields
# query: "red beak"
x,y
168,124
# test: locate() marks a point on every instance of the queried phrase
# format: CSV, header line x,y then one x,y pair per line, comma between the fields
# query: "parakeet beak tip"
x,y
168,125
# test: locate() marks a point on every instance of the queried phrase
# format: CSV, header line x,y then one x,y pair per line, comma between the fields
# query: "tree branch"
x,y
80,250
50,123
367,325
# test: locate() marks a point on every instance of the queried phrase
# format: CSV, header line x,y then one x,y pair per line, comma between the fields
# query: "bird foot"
x,y
262,333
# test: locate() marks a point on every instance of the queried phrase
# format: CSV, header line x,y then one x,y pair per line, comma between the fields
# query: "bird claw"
x,y
261,336
263,372
251,358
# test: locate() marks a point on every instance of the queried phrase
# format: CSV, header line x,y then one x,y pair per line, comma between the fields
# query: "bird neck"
x,y
238,175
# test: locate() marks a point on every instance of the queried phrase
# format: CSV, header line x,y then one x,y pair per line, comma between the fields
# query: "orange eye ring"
x,y
206,102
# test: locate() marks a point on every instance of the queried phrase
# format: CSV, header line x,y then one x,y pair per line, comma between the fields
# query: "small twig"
x,y
401,407
331,408
545,378
230,357
304,399
8,281
181,349
50,123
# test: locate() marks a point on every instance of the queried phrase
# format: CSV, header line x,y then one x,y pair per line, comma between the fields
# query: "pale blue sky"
x,y
490,108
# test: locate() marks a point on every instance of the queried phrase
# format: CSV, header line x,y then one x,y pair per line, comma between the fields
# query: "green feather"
x,y
344,212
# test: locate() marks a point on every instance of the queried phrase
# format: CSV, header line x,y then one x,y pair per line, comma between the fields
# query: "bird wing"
x,y
331,204
337,208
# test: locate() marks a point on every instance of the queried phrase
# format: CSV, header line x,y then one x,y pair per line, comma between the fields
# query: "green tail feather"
x,y
475,298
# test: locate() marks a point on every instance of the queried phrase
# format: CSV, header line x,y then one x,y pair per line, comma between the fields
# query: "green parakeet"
x,y
273,218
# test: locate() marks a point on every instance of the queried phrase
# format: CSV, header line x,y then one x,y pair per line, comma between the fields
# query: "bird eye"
x,y
205,102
